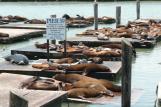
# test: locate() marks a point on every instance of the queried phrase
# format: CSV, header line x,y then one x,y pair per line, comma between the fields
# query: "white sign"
x,y
55,28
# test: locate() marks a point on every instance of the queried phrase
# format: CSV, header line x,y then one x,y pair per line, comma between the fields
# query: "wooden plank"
x,y
126,73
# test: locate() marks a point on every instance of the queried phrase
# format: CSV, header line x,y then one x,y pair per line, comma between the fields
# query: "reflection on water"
x,y
146,71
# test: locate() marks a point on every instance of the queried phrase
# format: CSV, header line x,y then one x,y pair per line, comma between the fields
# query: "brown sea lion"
x,y
42,84
117,46
64,60
72,78
96,53
87,68
83,93
96,86
90,92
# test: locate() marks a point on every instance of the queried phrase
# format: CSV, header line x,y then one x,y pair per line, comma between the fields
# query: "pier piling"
x,y
126,73
118,16
95,15
138,9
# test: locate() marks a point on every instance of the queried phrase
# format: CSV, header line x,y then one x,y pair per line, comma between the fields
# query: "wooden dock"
x,y
115,67
7,67
93,41
35,53
35,98
19,34
24,26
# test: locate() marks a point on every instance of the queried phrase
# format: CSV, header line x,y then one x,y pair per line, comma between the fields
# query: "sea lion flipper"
x,y
81,97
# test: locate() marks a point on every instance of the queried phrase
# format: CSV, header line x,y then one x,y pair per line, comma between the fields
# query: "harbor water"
x,y
146,68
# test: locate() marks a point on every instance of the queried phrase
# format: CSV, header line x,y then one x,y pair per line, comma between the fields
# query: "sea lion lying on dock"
x,y
38,83
18,59
102,52
92,90
80,79
64,60
35,21
86,68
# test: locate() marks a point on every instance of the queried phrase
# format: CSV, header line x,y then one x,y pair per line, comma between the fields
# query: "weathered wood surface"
x,y
35,53
126,73
24,26
25,69
36,98
19,34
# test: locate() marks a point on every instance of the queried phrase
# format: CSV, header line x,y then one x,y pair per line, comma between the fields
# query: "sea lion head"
x,y
96,60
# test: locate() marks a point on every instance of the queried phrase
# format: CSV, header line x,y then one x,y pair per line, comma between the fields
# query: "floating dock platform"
x,y
93,41
35,98
16,34
7,67
35,53
24,26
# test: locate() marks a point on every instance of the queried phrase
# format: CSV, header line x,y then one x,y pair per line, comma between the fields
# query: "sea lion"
x,y
35,21
96,86
96,60
38,83
64,60
117,46
18,59
88,92
73,78
97,53
87,68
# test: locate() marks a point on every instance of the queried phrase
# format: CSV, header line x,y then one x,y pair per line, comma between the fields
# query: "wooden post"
x,y
48,53
53,16
65,41
138,9
17,101
126,73
118,16
95,15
